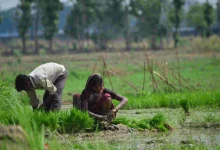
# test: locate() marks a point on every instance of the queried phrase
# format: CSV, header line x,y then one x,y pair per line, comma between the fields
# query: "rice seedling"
x,y
14,112
74,120
157,122
185,105
48,120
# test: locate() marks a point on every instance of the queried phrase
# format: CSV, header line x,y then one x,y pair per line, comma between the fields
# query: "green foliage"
x,y
111,22
175,18
12,111
24,21
210,118
75,120
201,17
196,19
82,15
148,16
49,11
209,17
173,100
121,120
49,120
218,12
158,122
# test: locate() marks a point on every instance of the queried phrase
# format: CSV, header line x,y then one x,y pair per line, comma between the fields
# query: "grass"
x,y
12,112
200,71
200,85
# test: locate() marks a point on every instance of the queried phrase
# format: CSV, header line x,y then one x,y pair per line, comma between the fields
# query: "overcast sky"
x,y
6,4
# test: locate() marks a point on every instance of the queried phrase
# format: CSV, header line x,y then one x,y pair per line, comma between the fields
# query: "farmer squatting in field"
x,y
50,77
97,100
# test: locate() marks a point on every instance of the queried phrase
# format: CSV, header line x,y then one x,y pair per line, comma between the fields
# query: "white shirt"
x,y
43,77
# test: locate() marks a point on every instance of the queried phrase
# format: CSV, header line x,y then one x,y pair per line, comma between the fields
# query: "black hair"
x,y
94,80
21,82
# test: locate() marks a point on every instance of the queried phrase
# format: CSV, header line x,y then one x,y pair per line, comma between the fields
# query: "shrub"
x,y
206,44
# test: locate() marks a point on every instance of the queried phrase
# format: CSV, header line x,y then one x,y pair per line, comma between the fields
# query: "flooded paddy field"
x,y
199,130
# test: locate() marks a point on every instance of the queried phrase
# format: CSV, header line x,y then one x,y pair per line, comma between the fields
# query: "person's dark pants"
x,y
54,102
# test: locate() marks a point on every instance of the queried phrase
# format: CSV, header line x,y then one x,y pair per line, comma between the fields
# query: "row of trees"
x,y
101,21
45,11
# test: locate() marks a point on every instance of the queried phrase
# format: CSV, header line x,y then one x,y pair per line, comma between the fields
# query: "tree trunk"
x,y
24,45
84,25
36,49
176,28
50,45
153,40
128,44
78,34
161,43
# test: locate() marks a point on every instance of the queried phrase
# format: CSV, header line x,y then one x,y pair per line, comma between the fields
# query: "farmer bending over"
x,y
97,100
50,77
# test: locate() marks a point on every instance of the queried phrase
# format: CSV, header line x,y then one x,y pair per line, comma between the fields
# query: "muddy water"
x,y
189,132
182,137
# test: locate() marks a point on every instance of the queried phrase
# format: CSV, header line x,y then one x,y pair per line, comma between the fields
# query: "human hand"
x,y
105,118
113,113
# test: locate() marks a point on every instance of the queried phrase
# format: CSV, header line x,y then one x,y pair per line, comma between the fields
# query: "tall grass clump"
x,y
12,112
185,105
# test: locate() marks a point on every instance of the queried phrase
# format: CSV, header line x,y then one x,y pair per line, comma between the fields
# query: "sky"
x,y
7,4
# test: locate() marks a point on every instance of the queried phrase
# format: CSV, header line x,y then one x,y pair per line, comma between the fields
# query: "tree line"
x,y
103,21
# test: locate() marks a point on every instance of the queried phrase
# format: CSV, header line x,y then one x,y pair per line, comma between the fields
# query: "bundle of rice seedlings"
x,y
74,120
185,105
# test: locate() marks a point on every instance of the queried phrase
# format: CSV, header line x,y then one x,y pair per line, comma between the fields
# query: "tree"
x,y
218,12
110,24
116,19
196,17
80,18
175,18
24,22
209,17
49,19
148,13
36,19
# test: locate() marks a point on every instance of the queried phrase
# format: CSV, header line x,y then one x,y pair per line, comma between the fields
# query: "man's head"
x,y
94,83
22,82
